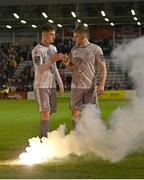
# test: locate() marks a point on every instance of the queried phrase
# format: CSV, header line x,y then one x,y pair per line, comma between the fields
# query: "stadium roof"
x,y
88,11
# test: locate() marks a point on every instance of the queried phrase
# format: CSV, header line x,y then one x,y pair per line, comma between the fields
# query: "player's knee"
x,y
45,116
75,114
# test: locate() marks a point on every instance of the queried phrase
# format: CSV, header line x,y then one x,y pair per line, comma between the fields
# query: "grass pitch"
x,y
19,121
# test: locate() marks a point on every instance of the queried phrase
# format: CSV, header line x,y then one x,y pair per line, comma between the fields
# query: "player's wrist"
x,y
66,60
60,84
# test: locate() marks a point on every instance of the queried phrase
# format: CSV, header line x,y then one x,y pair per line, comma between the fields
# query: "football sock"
x,y
43,128
74,123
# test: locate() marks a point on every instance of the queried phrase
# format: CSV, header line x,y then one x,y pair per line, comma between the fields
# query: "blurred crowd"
x,y
10,57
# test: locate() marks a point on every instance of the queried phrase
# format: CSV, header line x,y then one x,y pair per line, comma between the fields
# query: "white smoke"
x,y
124,135
131,57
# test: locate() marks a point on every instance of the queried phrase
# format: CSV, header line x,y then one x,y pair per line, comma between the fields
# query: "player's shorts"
x,y
46,99
81,97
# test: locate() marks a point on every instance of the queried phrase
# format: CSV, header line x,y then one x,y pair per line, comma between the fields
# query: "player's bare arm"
x,y
103,74
61,89
60,83
56,57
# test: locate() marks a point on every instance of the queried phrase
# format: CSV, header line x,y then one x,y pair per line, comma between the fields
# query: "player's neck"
x,y
45,43
85,43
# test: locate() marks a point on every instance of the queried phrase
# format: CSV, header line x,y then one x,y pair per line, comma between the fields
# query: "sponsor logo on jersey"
x,y
79,65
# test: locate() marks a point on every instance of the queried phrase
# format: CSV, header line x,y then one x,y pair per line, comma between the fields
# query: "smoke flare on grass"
x,y
125,133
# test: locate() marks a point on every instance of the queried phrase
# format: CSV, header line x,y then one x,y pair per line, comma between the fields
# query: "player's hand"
x,y
100,89
65,59
56,57
61,89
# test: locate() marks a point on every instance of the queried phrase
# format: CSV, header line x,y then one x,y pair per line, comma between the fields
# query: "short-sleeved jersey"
x,y
85,60
45,72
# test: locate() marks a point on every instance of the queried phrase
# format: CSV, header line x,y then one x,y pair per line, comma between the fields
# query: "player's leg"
x,y
44,124
76,105
48,106
75,116
89,96
52,99
42,98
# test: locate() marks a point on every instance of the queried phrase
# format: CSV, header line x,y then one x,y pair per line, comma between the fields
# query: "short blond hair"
x,y
82,29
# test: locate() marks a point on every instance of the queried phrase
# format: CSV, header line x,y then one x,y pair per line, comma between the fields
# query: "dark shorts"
x,y
81,97
46,99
